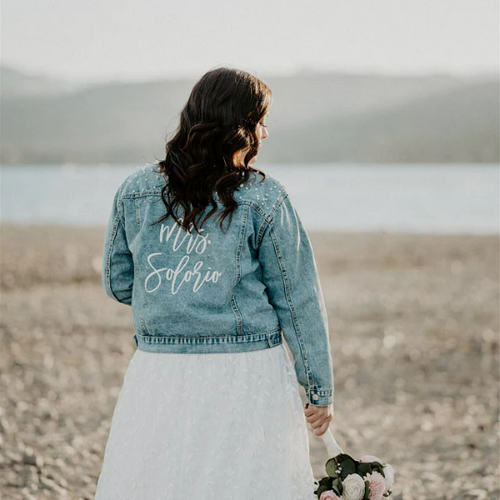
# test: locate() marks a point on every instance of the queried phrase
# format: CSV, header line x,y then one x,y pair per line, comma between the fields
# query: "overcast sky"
x,y
102,40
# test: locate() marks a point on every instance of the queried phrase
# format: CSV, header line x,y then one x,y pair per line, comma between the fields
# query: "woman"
x,y
215,262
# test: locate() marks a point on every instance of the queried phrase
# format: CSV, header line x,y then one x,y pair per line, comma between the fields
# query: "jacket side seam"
x,y
144,305
234,305
291,306
108,256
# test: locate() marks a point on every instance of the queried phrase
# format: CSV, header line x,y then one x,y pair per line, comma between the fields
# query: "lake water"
x,y
410,198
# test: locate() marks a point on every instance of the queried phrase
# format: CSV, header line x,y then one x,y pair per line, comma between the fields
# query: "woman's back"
x,y
189,285
235,290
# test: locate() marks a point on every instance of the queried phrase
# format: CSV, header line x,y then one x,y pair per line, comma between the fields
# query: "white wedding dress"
x,y
214,426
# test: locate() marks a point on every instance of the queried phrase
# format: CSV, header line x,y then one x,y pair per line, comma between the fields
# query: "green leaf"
x,y
378,467
322,489
364,468
342,456
326,480
330,467
348,466
367,490
337,486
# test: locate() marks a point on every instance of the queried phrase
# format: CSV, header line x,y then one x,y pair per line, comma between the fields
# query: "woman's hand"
x,y
319,417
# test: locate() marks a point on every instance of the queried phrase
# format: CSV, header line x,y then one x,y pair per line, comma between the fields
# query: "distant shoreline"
x,y
9,225
423,163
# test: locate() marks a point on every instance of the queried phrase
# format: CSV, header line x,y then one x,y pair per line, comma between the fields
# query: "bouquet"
x,y
348,479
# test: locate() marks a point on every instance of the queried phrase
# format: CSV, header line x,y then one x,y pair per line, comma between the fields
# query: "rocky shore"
x,y
414,332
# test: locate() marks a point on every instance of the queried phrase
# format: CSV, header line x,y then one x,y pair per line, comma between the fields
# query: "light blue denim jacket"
x,y
240,291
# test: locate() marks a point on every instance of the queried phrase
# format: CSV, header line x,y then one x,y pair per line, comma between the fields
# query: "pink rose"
x,y
329,495
377,485
369,458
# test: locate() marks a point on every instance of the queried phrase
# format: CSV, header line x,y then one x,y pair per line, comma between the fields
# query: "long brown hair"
x,y
218,120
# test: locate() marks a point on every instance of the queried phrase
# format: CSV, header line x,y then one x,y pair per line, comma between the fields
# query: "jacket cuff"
x,y
123,297
317,397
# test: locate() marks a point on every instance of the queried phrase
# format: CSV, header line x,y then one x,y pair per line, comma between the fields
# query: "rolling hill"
x,y
314,118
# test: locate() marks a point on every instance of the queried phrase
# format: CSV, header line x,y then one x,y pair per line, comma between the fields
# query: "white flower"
x,y
354,487
389,475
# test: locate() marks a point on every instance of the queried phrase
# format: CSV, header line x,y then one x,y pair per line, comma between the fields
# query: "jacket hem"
x,y
208,343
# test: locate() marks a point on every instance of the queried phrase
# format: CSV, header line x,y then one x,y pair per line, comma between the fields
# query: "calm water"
x,y
409,198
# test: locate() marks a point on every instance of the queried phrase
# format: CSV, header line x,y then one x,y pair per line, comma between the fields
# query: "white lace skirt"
x,y
208,426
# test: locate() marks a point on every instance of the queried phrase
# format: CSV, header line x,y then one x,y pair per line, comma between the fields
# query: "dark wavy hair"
x,y
218,120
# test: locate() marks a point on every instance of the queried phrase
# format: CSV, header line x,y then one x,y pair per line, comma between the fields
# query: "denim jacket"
x,y
237,291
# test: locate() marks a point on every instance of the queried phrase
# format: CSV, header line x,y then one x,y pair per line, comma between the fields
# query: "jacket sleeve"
x,y
291,277
117,265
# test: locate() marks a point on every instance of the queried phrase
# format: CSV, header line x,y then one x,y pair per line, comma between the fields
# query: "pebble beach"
x,y
414,330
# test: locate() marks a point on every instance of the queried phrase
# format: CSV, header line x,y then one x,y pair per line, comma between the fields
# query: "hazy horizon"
x,y
97,42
